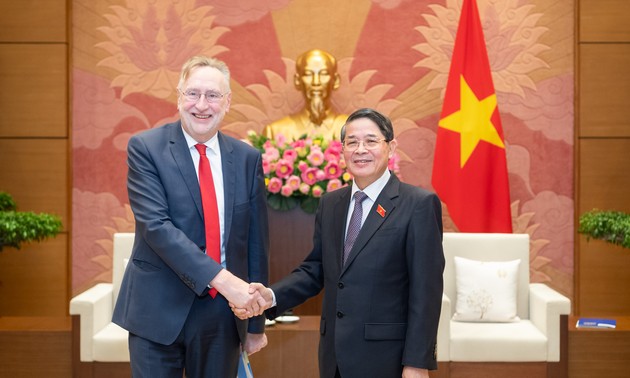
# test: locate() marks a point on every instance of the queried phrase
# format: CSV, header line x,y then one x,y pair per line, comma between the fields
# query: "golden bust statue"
x,y
316,77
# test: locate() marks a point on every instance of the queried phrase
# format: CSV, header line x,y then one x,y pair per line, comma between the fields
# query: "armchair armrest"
x,y
444,330
94,307
545,306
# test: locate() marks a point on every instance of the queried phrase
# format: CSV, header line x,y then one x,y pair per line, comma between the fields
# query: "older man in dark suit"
x,y
198,198
378,252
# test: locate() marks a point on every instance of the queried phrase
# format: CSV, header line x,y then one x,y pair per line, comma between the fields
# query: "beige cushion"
x,y
493,342
110,344
535,338
486,290
100,339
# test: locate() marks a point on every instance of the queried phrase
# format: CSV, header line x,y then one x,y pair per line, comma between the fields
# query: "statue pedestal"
x,y
290,241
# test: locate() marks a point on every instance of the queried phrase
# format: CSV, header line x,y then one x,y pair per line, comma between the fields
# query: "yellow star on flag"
x,y
472,121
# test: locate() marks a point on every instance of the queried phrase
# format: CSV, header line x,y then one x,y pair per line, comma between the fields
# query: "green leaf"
x,y
610,226
20,227
309,204
281,203
6,202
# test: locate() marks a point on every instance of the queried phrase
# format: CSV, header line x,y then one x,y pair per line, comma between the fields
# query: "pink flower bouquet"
x,y
301,171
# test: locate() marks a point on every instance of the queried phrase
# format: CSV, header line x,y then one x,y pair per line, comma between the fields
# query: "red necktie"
x,y
210,209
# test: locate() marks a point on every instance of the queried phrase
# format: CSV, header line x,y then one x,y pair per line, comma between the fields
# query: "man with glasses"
x,y
378,253
198,198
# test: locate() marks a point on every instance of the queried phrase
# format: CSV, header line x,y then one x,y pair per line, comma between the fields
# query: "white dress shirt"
x,y
213,151
372,191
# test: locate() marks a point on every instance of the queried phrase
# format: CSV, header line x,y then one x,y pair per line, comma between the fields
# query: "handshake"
x,y
246,300
260,299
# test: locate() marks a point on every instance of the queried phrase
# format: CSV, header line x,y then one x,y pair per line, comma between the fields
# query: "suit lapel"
x,y
229,181
340,215
375,219
181,155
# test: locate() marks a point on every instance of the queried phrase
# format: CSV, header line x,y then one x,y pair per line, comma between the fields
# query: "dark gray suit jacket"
x,y
168,267
381,310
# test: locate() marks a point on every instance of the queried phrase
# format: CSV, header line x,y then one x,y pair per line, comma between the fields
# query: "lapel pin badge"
x,y
381,211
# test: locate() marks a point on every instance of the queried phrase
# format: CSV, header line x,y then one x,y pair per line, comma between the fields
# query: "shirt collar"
x,y
212,143
375,188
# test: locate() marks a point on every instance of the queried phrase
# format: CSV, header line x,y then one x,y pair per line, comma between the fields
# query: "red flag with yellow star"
x,y
469,167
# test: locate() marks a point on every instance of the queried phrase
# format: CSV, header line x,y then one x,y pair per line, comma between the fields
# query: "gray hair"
x,y
384,124
203,61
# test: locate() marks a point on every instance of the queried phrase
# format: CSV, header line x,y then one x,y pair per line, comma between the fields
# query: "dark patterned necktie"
x,y
355,224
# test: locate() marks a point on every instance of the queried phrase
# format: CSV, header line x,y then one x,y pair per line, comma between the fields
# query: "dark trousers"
x,y
207,347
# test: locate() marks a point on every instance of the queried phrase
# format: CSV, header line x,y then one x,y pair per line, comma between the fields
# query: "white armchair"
x,y
100,339
535,338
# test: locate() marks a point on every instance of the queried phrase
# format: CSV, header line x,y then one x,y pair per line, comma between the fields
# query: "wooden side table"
x,y
35,346
595,352
291,352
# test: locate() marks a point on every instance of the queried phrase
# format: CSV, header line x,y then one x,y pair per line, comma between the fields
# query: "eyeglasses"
x,y
212,97
369,144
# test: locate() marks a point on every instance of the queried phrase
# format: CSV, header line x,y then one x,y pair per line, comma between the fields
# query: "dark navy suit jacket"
x,y
381,309
168,268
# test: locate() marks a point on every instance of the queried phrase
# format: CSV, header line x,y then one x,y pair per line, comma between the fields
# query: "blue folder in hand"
x,y
244,368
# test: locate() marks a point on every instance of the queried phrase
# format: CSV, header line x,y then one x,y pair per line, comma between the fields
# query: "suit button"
x,y
340,314
340,285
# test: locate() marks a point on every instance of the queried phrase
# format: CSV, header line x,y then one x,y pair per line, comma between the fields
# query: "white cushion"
x,y
444,331
493,342
100,339
123,244
110,344
486,290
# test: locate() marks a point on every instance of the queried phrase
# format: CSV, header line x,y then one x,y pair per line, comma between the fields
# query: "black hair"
x,y
384,124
